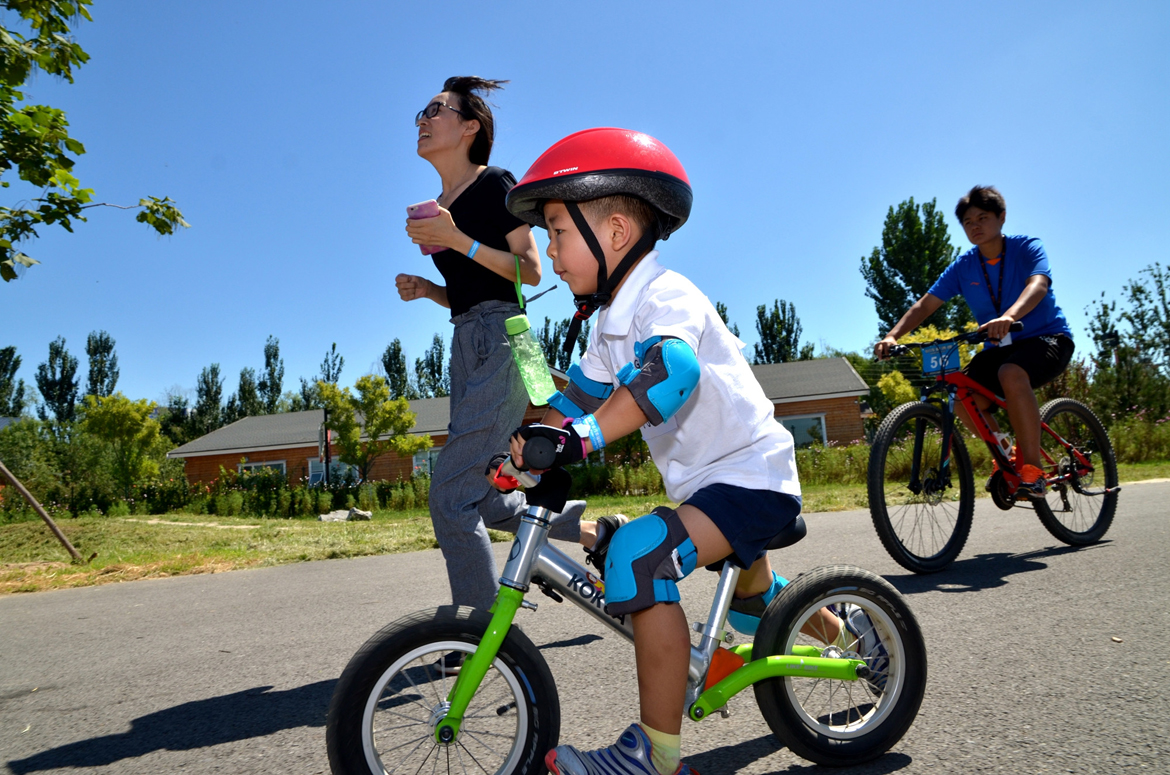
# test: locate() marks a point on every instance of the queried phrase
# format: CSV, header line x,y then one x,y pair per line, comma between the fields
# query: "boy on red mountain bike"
x,y
660,359
1004,279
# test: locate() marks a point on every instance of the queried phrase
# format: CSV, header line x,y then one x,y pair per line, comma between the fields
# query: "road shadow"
x,y
733,758
983,571
243,715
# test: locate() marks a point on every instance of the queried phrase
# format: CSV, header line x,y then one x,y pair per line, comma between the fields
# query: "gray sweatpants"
x,y
488,400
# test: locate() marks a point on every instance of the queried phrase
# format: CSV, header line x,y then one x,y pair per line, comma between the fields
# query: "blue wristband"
x,y
588,423
474,247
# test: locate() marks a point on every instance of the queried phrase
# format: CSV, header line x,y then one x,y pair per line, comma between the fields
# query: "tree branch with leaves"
x,y
34,139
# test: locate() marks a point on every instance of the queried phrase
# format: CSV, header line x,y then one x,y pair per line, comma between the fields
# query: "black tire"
x,y
923,531
1070,516
842,723
393,680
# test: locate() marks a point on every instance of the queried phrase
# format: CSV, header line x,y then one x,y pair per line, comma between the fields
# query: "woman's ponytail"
x,y
471,89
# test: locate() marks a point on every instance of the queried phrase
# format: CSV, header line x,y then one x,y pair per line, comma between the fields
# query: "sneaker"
x,y
596,555
1032,482
630,755
450,664
869,647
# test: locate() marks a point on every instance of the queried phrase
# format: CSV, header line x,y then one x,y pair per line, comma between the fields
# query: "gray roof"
x,y
782,382
6,421
290,430
809,380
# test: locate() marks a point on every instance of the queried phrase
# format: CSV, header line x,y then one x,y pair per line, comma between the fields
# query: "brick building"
x,y
816,400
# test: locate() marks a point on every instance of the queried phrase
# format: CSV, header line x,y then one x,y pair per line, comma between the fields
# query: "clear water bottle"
x,y
529,360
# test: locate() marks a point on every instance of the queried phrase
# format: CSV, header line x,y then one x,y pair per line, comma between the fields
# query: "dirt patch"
x,y
190,524
40,576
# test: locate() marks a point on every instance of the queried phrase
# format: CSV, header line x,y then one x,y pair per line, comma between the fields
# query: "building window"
x,y
806,429
274,465
338,471
424,461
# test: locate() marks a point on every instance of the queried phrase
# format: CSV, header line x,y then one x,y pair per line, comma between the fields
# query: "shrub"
x,y
119,509
833,464
1135,440
324,502
367,497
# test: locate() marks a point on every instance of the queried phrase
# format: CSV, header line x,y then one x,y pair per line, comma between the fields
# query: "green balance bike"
x,y
396,710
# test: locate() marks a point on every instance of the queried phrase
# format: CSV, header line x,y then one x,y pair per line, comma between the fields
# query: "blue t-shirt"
x,y
1023,257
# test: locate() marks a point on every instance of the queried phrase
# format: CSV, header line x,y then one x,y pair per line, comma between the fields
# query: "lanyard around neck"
x,y
997,295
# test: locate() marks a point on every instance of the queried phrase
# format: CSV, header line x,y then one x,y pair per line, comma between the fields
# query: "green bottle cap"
x,y
517,324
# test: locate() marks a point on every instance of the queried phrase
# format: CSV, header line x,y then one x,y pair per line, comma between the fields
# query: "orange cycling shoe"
x,y
1032,482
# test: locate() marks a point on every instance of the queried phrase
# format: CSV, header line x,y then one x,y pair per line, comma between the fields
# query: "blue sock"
x,y
745,613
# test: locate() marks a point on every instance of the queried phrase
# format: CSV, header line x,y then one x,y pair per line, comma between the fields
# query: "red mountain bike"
x,y
921,485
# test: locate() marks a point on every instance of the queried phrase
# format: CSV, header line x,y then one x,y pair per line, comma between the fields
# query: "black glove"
x,y
503,482
546,446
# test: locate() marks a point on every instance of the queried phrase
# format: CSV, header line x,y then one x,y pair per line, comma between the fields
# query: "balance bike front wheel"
x,y
392,695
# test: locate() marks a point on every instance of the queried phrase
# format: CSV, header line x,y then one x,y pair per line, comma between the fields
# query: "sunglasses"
x,y
432,110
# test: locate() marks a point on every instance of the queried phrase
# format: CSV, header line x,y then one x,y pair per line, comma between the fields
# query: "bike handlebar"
x,y
975,337
508,468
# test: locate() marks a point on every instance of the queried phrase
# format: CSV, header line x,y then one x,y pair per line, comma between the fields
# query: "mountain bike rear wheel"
x,y
1077,510
841,723
921,512
390,697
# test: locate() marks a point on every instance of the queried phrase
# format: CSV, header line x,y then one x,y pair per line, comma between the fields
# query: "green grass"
x,y
129,548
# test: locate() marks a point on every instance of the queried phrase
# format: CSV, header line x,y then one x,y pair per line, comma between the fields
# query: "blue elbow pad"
x,y
667,375
581,396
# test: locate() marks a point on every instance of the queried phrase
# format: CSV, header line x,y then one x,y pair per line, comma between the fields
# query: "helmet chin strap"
x,y
588,303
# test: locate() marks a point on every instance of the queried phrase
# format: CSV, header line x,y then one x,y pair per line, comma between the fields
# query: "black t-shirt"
x,y
481,214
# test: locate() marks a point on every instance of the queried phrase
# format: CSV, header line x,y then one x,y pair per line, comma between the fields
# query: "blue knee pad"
x,y
646,558
745,613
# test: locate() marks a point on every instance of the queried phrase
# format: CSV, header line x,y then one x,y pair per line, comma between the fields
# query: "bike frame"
x,y
957,384
533,560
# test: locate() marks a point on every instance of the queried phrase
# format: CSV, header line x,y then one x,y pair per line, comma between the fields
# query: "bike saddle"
x,y
793,532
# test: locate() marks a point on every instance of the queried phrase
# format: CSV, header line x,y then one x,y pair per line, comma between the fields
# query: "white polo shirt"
x,y
726,432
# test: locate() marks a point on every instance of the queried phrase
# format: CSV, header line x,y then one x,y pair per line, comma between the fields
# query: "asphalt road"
x,y
233,672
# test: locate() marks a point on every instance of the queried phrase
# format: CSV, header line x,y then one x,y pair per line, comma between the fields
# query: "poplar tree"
x,y
11,389
779,331
207,414
915,250
56,380
430,372
721,310
397,376
272,382
103,365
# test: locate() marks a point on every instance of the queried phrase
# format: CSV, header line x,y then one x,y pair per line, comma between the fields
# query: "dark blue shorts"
x,y
748,519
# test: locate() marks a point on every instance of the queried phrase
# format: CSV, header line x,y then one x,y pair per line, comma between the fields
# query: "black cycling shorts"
x,y
1042,357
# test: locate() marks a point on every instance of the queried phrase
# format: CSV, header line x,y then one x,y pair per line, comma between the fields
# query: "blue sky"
x,y
285,133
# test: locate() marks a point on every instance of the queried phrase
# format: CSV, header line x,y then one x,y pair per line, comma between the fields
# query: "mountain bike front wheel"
x,y
922,511
832,722
1080,506
392,695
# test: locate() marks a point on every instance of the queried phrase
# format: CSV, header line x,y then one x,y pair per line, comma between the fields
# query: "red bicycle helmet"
x,y
602,162
595,163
